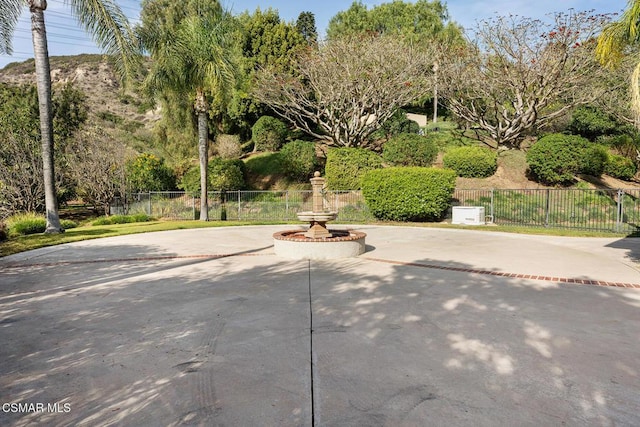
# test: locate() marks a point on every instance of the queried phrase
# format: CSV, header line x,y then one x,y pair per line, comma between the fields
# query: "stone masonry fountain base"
x,y
342,244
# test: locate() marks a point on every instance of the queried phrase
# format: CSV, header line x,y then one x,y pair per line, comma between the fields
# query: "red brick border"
x,y
511,275
561,280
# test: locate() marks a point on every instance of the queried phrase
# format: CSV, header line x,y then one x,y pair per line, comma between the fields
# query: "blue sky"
x,y
65,38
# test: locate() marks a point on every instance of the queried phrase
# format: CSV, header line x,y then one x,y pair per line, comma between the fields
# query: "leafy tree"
x,y
347,88
415,22
613,44
223,175
306,25
518,74
110,29
147,172
194,57
265,42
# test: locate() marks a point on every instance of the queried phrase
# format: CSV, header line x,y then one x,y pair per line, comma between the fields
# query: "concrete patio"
x,y
428,327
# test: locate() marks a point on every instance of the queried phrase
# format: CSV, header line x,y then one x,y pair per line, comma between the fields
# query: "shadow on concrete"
x,y
234,341
405,344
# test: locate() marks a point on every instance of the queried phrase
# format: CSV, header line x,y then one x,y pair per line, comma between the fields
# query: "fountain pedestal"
x,y
318,242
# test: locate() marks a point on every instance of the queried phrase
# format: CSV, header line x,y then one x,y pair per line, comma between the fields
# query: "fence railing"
x,y
243,205
601,209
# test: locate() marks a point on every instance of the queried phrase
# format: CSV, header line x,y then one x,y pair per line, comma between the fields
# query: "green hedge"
x,y
408,194
593,160
556,158
268,134
409,149
346,166
620,167
471,162
299,159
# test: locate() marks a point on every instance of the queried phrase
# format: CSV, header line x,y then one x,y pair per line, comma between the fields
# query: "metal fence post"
x,y
493,218
239,207
619,210
547,208
149,203
286,204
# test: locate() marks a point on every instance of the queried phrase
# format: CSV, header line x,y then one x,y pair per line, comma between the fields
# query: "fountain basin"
x,y
342,244
317,216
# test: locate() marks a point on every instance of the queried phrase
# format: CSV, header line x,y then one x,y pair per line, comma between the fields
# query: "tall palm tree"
x,y
196,58
110,29
613,41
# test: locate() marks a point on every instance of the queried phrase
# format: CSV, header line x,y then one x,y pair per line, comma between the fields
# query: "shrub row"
x,y
556,158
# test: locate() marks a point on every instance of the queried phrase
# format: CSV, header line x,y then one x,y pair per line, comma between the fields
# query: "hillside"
x,y
123,115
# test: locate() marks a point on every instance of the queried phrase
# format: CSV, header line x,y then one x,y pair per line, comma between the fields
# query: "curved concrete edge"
x,y
319,249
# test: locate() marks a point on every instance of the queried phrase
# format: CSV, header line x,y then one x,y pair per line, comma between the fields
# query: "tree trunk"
x,y
201,108
43,81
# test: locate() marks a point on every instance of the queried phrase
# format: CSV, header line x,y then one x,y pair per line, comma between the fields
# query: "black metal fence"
x,y
600,209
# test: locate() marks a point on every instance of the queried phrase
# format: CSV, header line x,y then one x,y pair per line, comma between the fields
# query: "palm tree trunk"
x,y
201,108
43,81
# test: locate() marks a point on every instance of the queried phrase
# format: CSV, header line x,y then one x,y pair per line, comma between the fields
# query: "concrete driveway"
x,y
429,327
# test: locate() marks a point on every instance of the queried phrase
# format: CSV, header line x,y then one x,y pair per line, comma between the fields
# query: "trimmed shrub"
x,y
408,194
556,158
471,162
4,232
268,134
408,149
594,159
299,159
620,167
228,146
345,167
222,175
591,122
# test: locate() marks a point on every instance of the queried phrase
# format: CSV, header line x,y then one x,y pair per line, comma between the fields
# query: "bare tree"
x,y
97,163
347,88
21,186
518,73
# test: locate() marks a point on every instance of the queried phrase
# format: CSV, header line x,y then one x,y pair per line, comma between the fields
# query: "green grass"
x,y
34,241
264,164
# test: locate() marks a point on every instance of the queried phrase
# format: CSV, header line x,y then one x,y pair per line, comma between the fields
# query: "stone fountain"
x,y
318,242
